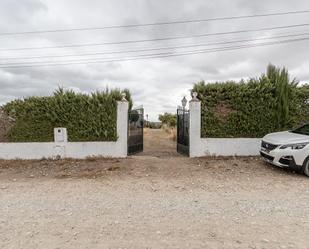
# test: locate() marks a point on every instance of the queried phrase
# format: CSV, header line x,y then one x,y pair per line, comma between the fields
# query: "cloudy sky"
x,y
157,83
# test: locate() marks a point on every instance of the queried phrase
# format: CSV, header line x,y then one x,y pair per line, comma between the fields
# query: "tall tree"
x,y
283,85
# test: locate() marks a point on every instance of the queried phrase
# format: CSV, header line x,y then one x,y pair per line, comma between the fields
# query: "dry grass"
x,y
171,131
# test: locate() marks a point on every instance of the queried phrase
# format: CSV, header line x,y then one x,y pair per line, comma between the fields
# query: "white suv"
x,y
288,149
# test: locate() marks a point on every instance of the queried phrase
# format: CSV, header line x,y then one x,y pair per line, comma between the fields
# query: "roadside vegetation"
x,y
169,122
153,125
168,119
255,107
88,117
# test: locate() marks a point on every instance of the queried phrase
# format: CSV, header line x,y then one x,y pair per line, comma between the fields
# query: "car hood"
x,y
285,137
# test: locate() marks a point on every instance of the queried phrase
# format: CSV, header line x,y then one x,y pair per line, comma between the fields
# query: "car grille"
x,y
268,157
269,146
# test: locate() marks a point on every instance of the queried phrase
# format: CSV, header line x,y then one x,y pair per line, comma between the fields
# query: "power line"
x,y
158,39
151,49
155,23
153,56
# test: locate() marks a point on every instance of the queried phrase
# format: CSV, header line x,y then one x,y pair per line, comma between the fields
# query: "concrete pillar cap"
x,y
123,95
194,97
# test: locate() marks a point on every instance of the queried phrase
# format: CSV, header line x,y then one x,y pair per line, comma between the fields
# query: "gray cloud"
x,y
158,84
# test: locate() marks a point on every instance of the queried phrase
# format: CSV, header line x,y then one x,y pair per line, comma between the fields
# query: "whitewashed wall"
x,y
217,146
78,150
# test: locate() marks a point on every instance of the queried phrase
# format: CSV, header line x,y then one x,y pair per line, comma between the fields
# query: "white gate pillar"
x,y
195,126
122,125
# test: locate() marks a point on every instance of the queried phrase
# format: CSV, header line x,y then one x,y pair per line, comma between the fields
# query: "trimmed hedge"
x,y
250,109
87,117
303,104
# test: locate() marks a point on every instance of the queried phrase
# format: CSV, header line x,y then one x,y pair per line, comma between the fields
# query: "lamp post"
x,y
184,102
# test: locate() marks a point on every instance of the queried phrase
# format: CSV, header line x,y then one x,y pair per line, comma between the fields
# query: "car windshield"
x,y
302,130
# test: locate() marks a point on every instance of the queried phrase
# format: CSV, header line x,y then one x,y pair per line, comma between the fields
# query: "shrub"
x,y
252,108
90,117
168,119
154,125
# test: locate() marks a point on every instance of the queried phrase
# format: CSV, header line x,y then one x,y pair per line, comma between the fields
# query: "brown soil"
x,y
156,199
159,143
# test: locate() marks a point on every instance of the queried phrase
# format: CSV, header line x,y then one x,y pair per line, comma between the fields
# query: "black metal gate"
x,y
183,119
135,131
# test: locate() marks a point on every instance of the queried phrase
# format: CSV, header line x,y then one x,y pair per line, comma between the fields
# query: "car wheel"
x,y
306,167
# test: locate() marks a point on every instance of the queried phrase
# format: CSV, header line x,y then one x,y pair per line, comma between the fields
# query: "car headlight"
x,y
294,146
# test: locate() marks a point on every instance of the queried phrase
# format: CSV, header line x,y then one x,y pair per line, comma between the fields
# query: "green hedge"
x,y
303,104
87,117
252,108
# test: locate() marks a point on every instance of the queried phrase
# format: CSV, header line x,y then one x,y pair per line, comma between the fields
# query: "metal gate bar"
x,y
135,131
183,131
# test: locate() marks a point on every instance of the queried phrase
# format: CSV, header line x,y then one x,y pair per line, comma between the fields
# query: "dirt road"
x,y
157,199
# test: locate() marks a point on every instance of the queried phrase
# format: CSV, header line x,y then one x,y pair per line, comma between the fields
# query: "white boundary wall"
x,y
78,150
217,146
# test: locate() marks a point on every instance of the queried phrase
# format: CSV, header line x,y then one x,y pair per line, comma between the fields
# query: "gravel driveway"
x,y
155,200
